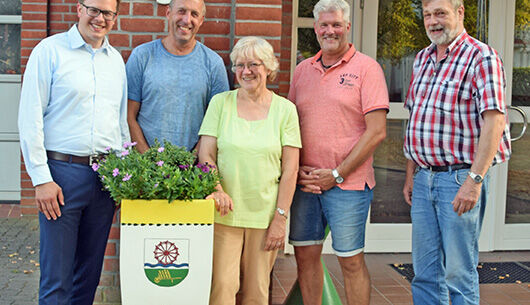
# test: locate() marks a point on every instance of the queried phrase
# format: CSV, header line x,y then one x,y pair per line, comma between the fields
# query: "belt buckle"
x,y
92,158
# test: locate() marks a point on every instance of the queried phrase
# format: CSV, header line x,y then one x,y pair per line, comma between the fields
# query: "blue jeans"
x,y
444,245
345,211
73,246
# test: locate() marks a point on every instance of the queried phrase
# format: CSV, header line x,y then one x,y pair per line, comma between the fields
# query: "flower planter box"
x,y
166,251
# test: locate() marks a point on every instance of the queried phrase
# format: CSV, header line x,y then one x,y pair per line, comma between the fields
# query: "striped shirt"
x,y
446,100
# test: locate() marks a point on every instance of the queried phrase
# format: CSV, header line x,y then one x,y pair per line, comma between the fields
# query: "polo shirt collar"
x,y
345,58
76,40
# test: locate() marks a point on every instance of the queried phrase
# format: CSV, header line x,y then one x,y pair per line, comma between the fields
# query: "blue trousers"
x,y
444,245
73,246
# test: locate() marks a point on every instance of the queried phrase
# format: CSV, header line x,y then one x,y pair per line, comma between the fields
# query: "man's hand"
x,y
223,202
275,237
142,147
48,196
467,196
325,179
409,181
307,180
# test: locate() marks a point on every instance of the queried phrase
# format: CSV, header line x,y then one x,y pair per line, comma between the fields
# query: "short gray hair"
x,y
332,6
456,3
203,6
259,48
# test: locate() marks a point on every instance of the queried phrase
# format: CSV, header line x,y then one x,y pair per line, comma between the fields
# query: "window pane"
x,y
10,7
305,8
388,205
518,197
307,44
10,46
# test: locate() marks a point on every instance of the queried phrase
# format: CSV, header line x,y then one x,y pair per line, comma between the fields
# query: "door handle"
x,y
525,121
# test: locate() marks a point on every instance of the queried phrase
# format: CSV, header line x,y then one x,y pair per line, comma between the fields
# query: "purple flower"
x,y
204,167
126,177
95,167
103,178
115,172
108,148
160,163
183,166
156,185
160,149
124,153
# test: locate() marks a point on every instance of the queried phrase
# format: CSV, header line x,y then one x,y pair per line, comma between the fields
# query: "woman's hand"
x,y
223,202
275,238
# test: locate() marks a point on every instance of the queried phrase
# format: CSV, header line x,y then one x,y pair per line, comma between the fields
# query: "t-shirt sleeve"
x,y
135,72
490,84
210,123
219,78
374,92
290,129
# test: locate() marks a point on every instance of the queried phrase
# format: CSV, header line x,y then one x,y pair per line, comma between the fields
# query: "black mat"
x,y
489,273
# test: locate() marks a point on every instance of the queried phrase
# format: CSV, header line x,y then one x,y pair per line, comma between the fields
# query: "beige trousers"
x,y
239,251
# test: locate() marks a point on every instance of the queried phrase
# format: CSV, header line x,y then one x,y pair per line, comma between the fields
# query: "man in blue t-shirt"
x,y
171,81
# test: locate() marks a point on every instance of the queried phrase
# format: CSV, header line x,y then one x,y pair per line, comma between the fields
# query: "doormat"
x,y
488,273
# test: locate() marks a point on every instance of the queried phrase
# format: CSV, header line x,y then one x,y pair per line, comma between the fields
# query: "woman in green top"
x,y
253,137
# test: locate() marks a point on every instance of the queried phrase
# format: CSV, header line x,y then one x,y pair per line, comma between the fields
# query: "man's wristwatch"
x,y
476,177
281,212
337,177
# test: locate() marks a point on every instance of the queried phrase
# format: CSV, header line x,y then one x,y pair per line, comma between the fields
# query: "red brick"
x,y
215,27
161,10
38,1
275,44
106,279
34,8
139,39
111,264
119,40
27,193
55,1
23,62
98,297
61,8
142,25
114,233
286,42
219,12
258,13
70,17
33,16
125,54
217,1
283,89
258,29
217,43
270,2
56,16
33,25
283,76
145,9
29,210
124,8
111,249
33,34
26,184
285,65
225,57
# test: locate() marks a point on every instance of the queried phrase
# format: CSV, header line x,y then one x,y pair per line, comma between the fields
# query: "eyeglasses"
x,y
94,12
251,66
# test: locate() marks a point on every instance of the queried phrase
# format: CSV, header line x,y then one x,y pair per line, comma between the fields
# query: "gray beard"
x,y
445,39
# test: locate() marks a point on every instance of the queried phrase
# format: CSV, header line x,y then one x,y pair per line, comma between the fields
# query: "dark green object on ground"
x,y
329,293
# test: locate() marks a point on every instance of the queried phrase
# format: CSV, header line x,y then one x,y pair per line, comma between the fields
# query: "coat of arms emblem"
x,y
166,261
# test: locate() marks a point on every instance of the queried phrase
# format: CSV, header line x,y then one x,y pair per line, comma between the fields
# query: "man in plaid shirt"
x,y
457,130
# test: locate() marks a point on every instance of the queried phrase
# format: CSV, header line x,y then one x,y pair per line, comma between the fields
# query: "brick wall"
x,y
144,20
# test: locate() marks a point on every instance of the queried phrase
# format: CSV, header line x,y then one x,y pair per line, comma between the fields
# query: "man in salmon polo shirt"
x,y
342,101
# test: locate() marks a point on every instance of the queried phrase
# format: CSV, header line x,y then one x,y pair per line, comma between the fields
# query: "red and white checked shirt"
x,y
446,99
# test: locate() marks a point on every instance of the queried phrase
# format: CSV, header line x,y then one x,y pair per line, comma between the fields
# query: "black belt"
x,y
86,160
446,168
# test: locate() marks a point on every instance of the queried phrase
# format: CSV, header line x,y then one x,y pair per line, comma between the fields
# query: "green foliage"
x,y
401,30
522,19
162,172
521,86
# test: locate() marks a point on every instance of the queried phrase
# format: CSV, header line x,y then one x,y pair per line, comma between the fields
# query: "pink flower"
x,y
160,149
95,167
124,153
108,148
160,163
126,177
115,172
